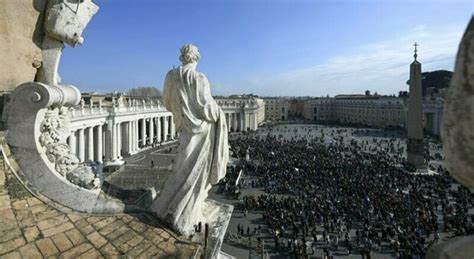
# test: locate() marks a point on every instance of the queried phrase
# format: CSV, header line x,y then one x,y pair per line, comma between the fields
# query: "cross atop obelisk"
x,y
416,45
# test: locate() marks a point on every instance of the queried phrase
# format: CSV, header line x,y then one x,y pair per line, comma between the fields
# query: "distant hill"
x,y
437,79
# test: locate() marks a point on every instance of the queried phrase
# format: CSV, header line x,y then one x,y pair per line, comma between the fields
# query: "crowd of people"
x,y
346,195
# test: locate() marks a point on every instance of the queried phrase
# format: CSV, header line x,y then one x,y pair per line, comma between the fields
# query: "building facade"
x,y
243,113
276,109
369,110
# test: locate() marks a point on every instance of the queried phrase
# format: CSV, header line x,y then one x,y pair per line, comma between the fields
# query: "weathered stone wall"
x,y
21,34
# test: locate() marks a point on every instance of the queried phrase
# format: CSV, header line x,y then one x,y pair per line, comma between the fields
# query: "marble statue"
x,y
203,150
458,138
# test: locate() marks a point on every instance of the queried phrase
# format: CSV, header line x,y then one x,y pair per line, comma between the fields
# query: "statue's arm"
x,y
210,107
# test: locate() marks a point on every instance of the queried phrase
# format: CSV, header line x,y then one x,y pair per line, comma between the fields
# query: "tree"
x,y
144,92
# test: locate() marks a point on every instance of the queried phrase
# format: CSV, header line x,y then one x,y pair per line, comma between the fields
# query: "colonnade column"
x,y
242,122
80,136
151,130
113,143
227,118
99,144
158,129
119,139
173,130
130,139
90,143
135,135
235,121
143,132
72,142
165,128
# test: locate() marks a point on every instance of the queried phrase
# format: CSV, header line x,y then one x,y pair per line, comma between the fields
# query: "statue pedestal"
x,y
218,216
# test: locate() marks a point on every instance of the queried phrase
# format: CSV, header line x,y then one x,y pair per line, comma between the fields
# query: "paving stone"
x,y
6,235
34,201
123,238
124,248
12,255
4,202
57,229
30,251
46,247
137,226
77,250
127,218
81,223
86,230
2,179
120,231
75,236
23,213
75,217
31,233
111,227
38,208
62,242
46,214
27,222
109,250
149,252
7,220
90,255
135,240
96,239
20,205
11,245
93,220
167,247
52,222
138,249
103,223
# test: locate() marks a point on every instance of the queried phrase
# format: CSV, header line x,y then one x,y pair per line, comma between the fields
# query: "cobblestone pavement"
x,y
30,228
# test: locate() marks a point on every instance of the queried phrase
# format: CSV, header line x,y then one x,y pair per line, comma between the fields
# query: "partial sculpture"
x,y
458,138
203,150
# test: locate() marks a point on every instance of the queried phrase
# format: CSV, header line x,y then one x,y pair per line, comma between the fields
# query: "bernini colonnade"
x,y
105,134
107,128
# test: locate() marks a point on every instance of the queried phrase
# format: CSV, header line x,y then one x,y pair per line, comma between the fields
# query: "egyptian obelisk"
x,y
415,146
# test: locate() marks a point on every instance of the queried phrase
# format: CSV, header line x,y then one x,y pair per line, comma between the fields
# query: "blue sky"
x,y
269,48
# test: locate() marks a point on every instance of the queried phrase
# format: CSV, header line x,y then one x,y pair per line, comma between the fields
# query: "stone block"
x,y
57,229
20,205
29,251
12,255
62,242
11,245
51,222
75,217
31,233
47,247
92,253
7,220
103,223
77,250
111,227
109,250
119,232
5,202
34,201
6,235
75,236
96,239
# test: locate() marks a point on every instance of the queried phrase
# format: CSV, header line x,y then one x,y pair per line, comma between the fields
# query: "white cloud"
x,y
380,66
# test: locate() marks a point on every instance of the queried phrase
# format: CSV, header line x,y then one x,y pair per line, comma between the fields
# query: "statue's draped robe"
x,y
203,148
